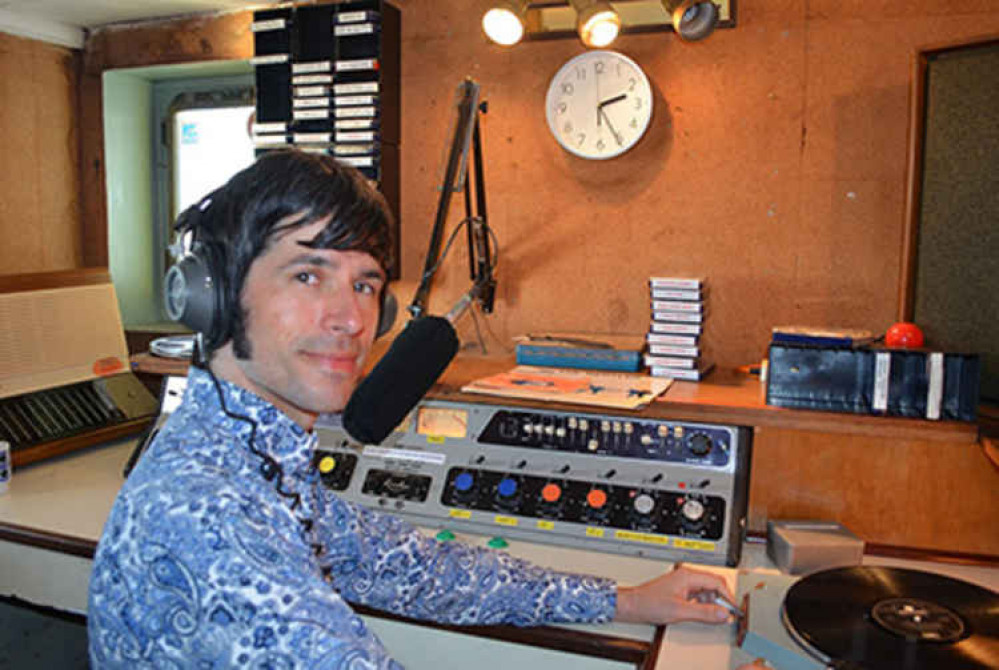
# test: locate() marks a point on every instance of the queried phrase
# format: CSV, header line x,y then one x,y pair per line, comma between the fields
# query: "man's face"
x,y
310,318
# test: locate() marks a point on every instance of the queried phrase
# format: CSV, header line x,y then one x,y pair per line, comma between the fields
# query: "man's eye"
x,y
364,287
306,277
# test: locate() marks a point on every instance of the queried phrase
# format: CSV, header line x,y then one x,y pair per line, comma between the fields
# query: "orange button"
x,y
551,492
596,498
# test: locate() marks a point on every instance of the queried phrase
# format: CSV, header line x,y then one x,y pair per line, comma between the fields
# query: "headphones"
x,y
194,292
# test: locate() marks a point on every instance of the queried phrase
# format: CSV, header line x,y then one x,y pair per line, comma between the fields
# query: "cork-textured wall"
x,y
773,167
40,147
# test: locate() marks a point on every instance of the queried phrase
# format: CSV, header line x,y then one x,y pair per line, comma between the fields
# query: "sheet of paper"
x,y
603,389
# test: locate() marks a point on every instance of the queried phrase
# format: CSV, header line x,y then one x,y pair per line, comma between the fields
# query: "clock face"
x,y
599,104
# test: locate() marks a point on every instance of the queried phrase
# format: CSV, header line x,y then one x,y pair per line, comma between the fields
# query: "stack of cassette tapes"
x,y
675,338
327,81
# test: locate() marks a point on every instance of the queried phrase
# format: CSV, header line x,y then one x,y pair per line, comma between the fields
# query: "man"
x,y
222,548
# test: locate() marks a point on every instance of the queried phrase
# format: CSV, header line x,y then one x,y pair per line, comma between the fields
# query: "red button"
x,y
596,498
551,492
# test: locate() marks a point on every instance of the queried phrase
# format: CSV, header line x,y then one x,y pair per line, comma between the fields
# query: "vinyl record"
x,y
894,618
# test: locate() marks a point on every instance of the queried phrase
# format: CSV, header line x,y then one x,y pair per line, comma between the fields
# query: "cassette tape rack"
x,y
327,81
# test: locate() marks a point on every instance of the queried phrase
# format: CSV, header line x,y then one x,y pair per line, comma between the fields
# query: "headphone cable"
x,y
269,467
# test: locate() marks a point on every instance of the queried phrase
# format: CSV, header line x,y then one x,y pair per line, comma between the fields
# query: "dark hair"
x,y
243,216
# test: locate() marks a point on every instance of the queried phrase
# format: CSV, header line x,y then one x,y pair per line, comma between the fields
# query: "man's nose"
x,y
343,313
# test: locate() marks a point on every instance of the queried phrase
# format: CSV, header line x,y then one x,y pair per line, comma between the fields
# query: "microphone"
x,y
417,357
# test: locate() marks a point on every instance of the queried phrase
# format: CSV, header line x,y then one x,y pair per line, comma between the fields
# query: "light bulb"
x,y
503,25
600,29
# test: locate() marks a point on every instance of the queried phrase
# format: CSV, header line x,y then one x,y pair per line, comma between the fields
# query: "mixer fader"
x,y
619,483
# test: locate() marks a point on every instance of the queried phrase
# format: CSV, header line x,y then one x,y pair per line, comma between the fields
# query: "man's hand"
x,y
671,598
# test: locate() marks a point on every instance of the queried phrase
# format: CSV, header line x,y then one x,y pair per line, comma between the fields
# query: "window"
x,y
210,145
206,138
154,118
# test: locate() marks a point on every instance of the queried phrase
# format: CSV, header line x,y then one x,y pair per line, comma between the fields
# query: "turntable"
x,y
870,618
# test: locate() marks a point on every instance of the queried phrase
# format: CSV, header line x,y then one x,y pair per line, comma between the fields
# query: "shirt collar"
x,y
276,434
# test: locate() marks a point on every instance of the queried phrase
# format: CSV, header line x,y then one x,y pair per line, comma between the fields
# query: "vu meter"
x,y
442,422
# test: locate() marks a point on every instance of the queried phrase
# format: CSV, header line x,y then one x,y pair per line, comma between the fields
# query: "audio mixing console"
x,y
618,483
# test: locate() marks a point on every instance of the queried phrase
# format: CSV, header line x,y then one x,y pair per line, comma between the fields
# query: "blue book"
x,y
821,337
584,352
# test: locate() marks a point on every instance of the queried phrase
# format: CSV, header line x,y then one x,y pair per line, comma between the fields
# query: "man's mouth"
x,y
333,362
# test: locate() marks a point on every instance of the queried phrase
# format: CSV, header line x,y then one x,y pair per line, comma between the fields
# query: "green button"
x,y
498,543
445,535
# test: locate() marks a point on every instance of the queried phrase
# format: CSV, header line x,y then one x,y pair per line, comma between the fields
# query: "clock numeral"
x,y
580,139
600,145
567,88
618,69
598,67
632,82
567,128
561,108
581,73
638,103
634,122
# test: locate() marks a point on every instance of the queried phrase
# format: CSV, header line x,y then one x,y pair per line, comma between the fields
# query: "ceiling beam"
x,y
37,28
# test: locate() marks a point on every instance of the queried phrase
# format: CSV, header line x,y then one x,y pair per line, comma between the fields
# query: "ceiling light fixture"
x,y
692,19
504,23
597,23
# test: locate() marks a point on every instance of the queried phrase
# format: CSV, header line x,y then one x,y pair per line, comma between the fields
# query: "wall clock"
x,y
599,104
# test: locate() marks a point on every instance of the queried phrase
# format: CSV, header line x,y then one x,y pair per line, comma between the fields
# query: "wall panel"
x,y
929,495
774,165
40,176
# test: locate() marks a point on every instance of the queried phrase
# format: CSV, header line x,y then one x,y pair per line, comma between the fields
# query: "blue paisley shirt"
x,y
204,563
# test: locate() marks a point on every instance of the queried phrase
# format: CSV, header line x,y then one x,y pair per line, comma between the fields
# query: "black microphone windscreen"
x,y
417,357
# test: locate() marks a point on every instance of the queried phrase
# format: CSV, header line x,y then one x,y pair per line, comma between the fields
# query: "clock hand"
x,y
610,101
617,137
596,94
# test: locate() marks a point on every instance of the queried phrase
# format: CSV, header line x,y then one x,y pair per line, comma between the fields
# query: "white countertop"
x,y
72,495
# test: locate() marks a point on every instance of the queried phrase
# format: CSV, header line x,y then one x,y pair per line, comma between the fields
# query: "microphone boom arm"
x,y
466,138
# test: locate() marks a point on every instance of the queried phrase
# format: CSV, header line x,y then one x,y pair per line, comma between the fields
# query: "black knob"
x,y
700,444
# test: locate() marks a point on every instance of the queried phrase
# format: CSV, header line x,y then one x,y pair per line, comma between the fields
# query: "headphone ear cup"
x,y
387,314
194,293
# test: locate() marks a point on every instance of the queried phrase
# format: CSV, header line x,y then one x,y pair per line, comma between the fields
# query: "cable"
x,y
269,468
478,333
447,247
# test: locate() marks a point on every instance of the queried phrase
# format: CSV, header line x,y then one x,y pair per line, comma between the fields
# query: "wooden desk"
x,y
895,482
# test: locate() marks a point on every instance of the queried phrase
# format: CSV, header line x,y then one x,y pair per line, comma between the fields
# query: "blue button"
x,y
463,482
507,487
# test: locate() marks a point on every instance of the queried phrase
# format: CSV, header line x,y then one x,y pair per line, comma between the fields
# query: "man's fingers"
x,y
705,581
693,611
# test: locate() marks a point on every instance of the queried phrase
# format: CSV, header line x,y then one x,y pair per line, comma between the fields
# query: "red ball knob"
x,y
904,335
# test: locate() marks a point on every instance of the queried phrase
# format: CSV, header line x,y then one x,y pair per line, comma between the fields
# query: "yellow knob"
x,y
327,464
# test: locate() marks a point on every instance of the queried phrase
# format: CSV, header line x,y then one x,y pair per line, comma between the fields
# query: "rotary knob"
x,y
693,511
463,483
700,444
643,503
551,493
507,488
596,499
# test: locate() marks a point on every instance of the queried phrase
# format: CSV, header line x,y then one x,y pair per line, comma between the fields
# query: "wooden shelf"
x,y
729,398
